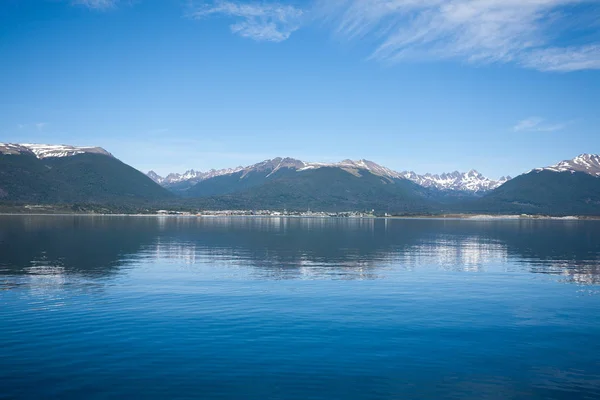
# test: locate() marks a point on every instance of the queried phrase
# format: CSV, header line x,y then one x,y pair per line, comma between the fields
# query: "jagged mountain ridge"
x,y
191,176
471,181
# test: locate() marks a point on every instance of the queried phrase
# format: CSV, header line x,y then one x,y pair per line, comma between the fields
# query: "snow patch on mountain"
x,y
588,163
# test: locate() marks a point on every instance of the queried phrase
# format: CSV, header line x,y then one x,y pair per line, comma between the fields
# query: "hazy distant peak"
x,y
190,175
155,177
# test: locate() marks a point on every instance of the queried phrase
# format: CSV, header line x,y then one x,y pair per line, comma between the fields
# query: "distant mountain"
x,y
285,183
470,182
251,176
155,177
68,174
181,182
263,172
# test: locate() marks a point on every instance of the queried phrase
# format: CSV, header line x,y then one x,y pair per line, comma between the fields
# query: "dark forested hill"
x,y
86,177
544,192
325,189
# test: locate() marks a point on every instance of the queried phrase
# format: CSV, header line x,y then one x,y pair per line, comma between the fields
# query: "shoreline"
x,y
462,217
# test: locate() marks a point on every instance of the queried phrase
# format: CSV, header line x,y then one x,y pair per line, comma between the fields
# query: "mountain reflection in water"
x,y
297,248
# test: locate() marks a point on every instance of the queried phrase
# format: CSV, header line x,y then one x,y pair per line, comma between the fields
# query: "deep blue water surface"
x,y
274,308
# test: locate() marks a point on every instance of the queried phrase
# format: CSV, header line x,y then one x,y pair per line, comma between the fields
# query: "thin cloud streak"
x,y
258,21
474,31
41,125
537,124
564,59
96,4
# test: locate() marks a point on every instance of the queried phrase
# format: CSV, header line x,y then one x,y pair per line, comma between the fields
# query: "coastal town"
x,y
271,213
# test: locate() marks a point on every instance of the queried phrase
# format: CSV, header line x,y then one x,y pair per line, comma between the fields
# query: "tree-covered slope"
x,y
328,189
95,177
88,177
237,182
25,177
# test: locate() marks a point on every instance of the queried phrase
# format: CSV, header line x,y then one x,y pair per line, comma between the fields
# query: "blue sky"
x,y
502,86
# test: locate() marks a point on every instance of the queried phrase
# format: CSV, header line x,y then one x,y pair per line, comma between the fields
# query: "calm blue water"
x,y
250,308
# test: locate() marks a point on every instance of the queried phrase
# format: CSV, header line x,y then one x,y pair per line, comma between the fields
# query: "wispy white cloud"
x,y
546,35
564,59
537,124
475,31
96,4
272,22
37,125
40,125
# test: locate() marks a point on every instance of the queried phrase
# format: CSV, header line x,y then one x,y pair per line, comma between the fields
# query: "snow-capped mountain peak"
x,y
191,176
272,166
588,163
49,150
353,166
155,177
472,181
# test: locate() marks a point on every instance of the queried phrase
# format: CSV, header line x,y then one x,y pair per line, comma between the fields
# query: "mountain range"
x,y
62,174
471,182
